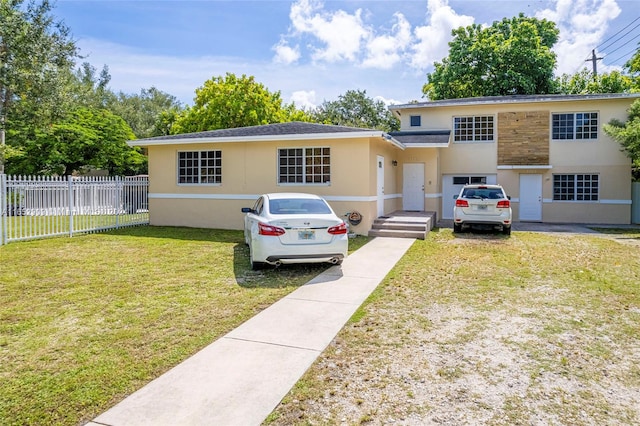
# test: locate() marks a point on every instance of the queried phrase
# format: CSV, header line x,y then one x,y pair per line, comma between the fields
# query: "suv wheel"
x,y
506,230
457,228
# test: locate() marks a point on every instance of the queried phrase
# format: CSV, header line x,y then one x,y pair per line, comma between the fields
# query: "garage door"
x,y
452,184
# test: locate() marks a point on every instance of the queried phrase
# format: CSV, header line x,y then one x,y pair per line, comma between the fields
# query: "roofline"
x,y
515,99
269,138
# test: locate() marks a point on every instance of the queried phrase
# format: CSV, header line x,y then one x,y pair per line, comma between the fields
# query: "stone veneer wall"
x,y
523,138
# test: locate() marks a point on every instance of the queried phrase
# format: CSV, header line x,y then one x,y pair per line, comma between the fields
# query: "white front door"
x,y
380,198
413,187
531,197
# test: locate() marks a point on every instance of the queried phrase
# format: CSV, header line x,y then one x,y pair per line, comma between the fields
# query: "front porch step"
x,y
397,233
403,224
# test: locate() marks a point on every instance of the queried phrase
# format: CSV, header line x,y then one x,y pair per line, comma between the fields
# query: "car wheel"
x,y
255,266
457,228
506,230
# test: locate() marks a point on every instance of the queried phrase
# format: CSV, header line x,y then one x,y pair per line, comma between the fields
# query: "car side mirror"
x,y
247,210
455,197
508,197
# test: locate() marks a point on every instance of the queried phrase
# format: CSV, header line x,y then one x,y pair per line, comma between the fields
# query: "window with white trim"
x,y
574,126
576,187
200,167
473,129
304,165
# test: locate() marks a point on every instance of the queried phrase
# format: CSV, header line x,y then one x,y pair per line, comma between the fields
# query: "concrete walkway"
x,y
241,377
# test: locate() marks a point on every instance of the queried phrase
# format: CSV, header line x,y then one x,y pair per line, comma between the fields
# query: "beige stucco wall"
x,y
602,156
250,169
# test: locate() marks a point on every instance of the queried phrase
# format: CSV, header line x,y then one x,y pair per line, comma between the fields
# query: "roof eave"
x,y
265,138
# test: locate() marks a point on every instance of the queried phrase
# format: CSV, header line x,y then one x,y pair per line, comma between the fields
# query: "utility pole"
x,y
594,60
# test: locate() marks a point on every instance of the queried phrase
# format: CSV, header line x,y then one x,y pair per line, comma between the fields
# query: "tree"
x,y
150,113
628,135
86,137
355,109
584,82
633,67
511,57
228,102
35,54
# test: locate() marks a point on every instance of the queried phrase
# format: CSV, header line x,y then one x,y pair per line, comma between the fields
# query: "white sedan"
x,y
284,228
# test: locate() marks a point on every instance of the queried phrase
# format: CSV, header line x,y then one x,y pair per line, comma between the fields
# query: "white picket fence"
x,y
43,206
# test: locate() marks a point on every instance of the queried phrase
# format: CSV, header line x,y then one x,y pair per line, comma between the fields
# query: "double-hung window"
x,y
575,187
304,165
473,129
574,126
200,167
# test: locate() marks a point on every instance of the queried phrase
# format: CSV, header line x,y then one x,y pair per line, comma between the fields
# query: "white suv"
x,y
482,206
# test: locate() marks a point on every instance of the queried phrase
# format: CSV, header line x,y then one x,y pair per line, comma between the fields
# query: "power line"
x,y
626,54
620,47
628,25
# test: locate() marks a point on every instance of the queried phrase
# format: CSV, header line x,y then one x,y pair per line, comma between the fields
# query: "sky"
x,y
313,51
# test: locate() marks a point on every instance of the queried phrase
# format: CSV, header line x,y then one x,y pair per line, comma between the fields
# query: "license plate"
x,y
307,234
482,207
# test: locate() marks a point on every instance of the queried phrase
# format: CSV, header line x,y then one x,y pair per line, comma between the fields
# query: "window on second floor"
x,y
574,126
415,121
473,129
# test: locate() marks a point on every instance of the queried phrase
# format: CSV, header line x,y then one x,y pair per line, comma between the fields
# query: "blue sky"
x,y
312,50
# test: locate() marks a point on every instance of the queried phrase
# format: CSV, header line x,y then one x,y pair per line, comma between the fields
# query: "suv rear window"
x,y
483,193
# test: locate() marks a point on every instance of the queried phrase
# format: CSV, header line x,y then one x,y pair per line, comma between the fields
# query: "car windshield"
x,y
298,206
482,193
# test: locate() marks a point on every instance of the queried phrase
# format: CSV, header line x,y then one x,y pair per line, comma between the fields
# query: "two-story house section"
x,y
548,151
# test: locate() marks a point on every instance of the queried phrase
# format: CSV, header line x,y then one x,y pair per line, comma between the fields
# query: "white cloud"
x,y
304,99
385,51
582,25
286,54
340,33
433,38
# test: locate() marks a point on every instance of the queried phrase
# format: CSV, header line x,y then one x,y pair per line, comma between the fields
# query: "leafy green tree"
x,y
150,113
628,135
633,67
356,109
229,102
86,137
585,82
36,53
511,57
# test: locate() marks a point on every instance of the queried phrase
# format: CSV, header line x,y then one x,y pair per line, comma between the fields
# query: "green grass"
x,y
84,321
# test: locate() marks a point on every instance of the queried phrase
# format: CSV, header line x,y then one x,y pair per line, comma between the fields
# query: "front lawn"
x,y
85,321
536,329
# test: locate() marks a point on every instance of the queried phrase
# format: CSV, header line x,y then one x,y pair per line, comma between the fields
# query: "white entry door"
x,y
413,187
380,167
531,197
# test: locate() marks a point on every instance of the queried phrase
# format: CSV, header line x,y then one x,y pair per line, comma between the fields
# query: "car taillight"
x,y
338,229
462,203
504,204
264,229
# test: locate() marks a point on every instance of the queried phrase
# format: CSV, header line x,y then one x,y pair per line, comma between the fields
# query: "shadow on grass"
x,y
480,234
270,277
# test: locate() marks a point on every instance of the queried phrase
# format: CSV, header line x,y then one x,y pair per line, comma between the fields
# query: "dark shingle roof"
x,y
484,100
278,129
422,137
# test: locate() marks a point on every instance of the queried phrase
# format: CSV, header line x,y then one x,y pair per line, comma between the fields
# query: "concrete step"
x,y
399,225
398,233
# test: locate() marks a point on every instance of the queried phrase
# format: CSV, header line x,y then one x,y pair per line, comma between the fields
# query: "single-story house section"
x,y
203,179
548,151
